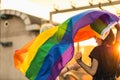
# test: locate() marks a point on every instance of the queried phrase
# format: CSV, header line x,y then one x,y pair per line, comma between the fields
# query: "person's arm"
x,y
74,66
89,69
116,47
117,40
118,32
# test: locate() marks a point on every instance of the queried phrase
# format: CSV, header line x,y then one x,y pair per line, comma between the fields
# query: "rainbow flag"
x,y
44,57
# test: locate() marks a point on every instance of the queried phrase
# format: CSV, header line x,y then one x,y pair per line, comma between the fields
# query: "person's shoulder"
x,y
100,47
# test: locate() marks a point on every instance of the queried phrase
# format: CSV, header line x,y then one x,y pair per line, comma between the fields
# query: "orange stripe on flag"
x,y
20,54
84,33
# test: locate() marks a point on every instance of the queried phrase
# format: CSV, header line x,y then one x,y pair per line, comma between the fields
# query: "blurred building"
x,y
16,28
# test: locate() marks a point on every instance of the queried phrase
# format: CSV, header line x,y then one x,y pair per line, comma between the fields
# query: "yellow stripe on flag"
x,y
41,39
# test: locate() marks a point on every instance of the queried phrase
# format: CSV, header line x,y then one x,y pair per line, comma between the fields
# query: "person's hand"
x,y
78,56
117,26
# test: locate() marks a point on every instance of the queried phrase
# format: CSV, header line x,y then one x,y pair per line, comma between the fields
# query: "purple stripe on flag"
x,y
61,62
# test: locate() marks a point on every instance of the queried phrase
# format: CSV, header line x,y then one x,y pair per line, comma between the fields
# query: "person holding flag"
x,y
104,58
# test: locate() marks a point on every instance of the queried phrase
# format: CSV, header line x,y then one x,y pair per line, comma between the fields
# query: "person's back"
x,y
107,62
104,59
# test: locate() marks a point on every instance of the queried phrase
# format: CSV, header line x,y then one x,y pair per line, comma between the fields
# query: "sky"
x,y
25,6
42,8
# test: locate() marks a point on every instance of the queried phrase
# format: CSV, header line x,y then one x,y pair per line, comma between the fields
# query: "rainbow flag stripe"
x,y
44,57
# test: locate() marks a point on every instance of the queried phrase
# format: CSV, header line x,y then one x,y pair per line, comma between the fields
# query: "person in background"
x,y
45,26
66,69
104,57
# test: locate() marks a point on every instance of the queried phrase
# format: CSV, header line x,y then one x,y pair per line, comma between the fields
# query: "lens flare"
x,y
119,48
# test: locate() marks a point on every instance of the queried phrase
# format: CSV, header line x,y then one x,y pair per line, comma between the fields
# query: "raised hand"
x,y
78,52
117,26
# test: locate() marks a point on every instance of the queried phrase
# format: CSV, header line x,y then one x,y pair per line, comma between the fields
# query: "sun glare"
x,y
119,48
